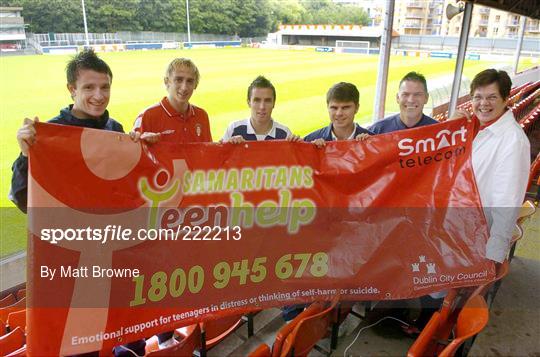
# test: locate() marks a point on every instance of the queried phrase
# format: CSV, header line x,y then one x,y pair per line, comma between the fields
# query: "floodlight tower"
x,y
187,17
85,26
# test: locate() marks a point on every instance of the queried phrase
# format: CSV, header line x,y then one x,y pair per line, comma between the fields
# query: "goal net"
x,y
353,44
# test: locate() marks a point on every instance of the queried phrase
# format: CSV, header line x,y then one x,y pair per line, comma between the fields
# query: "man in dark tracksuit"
x,y
411,97
19,180
89,83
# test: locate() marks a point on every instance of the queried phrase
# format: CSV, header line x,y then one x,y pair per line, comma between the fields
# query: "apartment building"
x,y
489,22
418,17
428,17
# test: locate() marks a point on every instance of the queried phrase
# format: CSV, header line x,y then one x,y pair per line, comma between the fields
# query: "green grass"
x,y
35,85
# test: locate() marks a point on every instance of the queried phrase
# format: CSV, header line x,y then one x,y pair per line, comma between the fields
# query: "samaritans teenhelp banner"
x,y
127,240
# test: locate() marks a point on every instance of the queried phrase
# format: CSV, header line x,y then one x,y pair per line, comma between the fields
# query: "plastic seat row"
x,y
530,119
13,324
465,321
12,316
12,343
13,327
521,108
524,92
517,95
11,299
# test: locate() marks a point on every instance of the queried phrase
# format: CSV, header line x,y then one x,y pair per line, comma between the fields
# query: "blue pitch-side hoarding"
x,y
213,43
144,46
324,49
59,49
473,56
371,51
441,54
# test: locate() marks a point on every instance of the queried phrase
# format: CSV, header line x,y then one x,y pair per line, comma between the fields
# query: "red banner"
x,y
127,240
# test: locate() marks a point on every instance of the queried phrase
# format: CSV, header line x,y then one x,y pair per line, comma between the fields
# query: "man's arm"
x,y
26,137
18,193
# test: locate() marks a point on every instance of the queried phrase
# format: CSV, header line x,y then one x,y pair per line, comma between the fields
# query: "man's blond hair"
x,y
183,62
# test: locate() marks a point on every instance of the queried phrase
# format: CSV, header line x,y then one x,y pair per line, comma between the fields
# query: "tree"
x,y
44,16
162,16
286,12
246,18
252,17
112,15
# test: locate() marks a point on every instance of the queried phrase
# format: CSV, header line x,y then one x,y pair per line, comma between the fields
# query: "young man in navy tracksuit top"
x,y
343,102
411,97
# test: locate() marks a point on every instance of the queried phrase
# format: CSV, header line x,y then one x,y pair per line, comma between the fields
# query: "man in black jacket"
x,y
89,81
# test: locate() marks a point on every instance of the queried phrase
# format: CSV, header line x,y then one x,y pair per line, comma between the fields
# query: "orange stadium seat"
x,y
191,341
11,342
215,331
261,351
21,352
17,319
471,319
18,306
8,300
21,293
308,332
282,334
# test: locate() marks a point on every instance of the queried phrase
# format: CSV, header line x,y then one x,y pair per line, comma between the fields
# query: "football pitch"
x,y
36,85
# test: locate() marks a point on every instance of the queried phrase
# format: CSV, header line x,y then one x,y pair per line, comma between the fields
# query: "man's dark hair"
x,y
86,59
343,92
261,82
415,77
489,76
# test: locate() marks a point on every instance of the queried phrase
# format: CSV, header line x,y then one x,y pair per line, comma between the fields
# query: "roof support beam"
x,y
384,61
460,60
519,43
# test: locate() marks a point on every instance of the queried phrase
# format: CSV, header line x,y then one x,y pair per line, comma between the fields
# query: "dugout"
x,y
328,35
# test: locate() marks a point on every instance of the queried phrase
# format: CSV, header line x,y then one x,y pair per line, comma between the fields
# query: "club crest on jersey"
x,y
198,129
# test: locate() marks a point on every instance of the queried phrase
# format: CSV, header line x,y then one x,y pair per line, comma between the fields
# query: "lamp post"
x,y
188,29
85,26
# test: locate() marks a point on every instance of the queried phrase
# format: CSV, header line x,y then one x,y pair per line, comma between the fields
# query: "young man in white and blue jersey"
x,y
261,98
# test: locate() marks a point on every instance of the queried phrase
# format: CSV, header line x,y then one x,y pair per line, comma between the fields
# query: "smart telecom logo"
x,y
444,146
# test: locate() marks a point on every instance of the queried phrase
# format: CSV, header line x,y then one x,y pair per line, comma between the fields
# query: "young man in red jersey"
x,y
174,118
